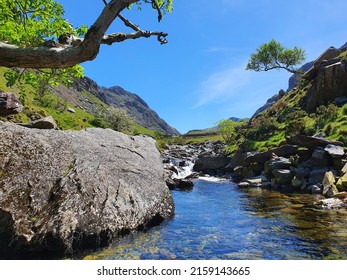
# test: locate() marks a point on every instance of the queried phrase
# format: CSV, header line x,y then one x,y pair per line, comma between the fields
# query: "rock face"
x,y
63,192
9,104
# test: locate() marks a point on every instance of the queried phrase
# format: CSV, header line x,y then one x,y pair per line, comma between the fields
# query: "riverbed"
x,y
217,220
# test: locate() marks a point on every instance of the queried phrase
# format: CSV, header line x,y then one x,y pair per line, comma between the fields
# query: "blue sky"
x,y
199,77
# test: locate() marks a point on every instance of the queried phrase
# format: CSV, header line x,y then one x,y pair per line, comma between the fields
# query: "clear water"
x,y
216,220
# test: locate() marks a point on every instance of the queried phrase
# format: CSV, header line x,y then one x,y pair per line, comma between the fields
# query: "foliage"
x,y
274,55
118,119
326,114
30,23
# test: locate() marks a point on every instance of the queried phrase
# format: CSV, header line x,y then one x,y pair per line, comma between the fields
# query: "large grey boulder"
x,y
64,191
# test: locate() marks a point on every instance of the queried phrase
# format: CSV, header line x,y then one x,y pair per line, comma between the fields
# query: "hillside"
x,y
317,104
87,102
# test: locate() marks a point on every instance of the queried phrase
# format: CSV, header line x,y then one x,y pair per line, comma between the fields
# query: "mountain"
x,y
87,95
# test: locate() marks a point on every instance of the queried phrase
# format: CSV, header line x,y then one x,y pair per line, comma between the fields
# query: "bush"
x,y
118,119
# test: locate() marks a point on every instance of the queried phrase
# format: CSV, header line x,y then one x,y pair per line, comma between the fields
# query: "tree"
x,y
30,29
275,56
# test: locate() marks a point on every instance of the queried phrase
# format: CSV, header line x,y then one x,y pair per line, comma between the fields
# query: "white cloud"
x,y
222,85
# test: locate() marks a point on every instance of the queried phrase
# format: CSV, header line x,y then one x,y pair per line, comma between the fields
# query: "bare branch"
x,y
105,2
120,37
129,23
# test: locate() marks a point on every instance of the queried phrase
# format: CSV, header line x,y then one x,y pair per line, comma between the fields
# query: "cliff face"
x,y
62,192
89,96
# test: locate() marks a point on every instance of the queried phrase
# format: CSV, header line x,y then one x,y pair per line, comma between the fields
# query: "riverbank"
x,y
304,164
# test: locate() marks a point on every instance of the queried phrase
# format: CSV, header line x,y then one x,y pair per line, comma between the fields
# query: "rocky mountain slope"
x,y
87,95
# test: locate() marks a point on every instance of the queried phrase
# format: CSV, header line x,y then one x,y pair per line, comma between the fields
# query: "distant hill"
x,y
87,95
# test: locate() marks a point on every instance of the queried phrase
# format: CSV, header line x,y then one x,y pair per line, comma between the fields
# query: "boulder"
x,y
317,175
276,163
66,191
283,176
335,151
261,158
9,104
210,163
311,142
329,188
258,181
341,183
314,189
45,123
319,158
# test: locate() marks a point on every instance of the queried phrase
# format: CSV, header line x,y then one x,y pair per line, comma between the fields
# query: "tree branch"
x,y
120,37
67,56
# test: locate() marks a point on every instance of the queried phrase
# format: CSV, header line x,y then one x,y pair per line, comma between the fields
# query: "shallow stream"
x,y
217,220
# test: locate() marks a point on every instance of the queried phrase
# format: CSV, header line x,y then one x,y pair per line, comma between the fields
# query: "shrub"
x,y
118,119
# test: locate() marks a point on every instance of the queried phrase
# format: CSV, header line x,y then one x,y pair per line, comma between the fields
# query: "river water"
x,y
217,220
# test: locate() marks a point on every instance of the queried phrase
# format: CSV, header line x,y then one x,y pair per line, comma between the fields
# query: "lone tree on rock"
x,y
275,56
29,32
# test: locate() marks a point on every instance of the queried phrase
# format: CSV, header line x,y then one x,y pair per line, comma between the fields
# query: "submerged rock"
x,y
64,191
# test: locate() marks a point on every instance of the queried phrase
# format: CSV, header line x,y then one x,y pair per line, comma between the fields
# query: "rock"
x,y
297,182
257,181
45,123
344,169
276,163
184,184
330,83
329,188
243,185
261,158
316,176
238,170
341,184
283,176
66,191
302,172
314,189
319,158
311,142
9,104
332,203
334,151
341,195
71,110
210,163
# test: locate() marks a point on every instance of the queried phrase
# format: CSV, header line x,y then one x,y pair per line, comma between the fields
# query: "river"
x,y
217,220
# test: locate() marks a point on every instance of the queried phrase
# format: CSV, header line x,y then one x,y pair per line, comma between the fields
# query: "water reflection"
x,y
219,221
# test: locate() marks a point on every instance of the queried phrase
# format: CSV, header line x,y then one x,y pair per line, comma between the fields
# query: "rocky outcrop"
x,y
63,192
44,123
9,104
330,83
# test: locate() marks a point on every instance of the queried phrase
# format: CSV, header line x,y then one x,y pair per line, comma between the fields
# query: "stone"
x,y
316,176
314,189
208,163
184,184
64,192
45,123
344,169
243,185
297,182
319,158
329,188
335,151
341,184
71,110
257,181
332,203
9,104
276,163
238,170
311,142
283,151
283,176
341,195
